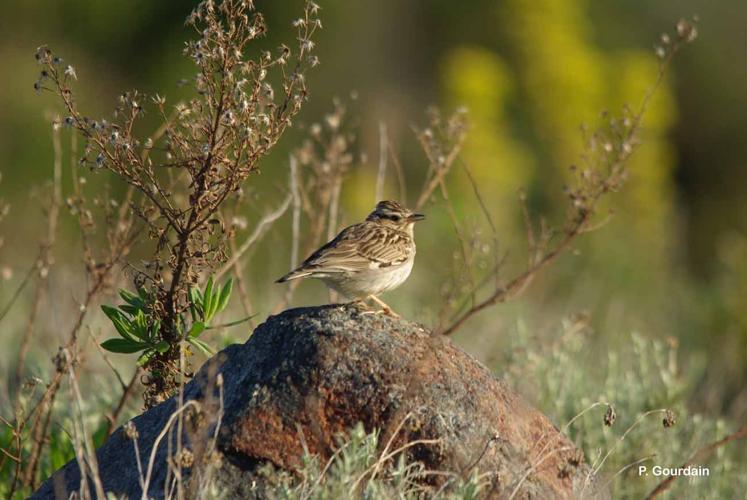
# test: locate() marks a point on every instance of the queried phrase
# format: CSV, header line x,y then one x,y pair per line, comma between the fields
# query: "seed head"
x,y
686,30
70,71
610,416
130,430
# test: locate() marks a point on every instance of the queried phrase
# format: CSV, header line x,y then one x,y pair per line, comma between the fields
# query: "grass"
x,y
645,382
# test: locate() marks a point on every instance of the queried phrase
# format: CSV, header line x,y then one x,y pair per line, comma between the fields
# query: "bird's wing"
x,y
360,247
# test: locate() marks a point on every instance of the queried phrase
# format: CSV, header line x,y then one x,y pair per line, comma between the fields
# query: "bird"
x,y
366,259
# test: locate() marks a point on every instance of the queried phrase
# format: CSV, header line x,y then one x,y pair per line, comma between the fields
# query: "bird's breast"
x,y
390,278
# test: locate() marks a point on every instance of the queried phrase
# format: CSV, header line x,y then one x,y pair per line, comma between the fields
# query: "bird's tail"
x,y
293,275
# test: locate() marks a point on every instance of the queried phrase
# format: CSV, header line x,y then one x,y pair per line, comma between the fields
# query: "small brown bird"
x,y
368,258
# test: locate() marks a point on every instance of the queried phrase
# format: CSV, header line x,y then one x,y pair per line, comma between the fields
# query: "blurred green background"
x,y
672,262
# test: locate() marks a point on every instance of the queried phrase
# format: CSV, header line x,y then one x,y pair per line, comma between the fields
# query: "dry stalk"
x,y
596,467
607,152
383,154
45,259
317,172
259,230
182,176
534,466
85,451
700,456
441,144
127,392
166,429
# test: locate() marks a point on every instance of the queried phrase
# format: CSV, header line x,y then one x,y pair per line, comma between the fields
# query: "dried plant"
x,y
318,170
32,418
198,160
603,170
179,183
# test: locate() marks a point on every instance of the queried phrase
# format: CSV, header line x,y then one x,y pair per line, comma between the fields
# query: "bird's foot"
x,y
361,306
389,312
385,309
358,303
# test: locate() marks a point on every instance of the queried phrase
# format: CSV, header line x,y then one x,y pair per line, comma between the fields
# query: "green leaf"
x,y
194,302
123,346
131,310
119,321
197,329
205,348
207,303
140,325
154,329
127,296
112,312
133,300
225,294
61,448
230,323
193,295
162,346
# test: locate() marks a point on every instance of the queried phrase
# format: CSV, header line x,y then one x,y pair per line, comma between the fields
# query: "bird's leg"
x,y
364,305
360,303
384,307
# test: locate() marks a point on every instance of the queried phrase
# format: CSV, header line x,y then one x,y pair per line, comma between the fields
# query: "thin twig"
x,y
259,230
491,440
105,357
44,257
441,168
595,468
19,290
90,453
246,302
699,456
385,458
388,445
400,171
157,442
383,151
467,256
623,469
127,391
485,212
534,466
296,224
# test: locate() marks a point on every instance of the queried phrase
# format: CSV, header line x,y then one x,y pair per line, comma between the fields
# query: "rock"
x,y
309,374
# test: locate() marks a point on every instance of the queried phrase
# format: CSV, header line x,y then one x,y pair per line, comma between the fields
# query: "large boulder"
x,y
309,374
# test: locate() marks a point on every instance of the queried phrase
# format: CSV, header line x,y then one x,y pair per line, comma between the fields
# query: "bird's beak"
x,y
415,217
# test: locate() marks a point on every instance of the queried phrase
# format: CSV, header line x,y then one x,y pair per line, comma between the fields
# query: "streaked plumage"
x,y
368,258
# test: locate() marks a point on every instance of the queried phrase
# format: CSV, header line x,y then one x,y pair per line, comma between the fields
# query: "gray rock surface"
x,y
307,375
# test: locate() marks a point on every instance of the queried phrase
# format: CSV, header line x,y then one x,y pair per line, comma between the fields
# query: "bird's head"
x,y
393,214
